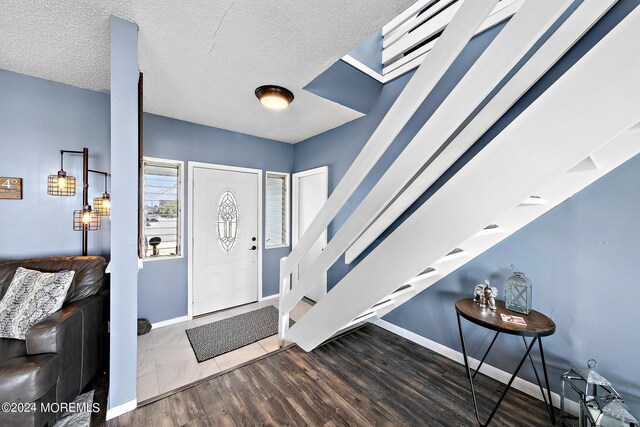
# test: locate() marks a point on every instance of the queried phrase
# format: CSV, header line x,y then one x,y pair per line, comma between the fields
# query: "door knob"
x,y
253,239
253,248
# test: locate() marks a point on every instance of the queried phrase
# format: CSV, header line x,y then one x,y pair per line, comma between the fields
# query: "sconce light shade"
x,y
61,184
102,205
86,220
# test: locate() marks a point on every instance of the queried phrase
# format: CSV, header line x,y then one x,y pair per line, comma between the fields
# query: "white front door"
x,y
310,190
225,239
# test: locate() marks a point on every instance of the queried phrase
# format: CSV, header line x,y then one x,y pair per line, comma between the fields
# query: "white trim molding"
x,y
269,297
168,322
524,386
190,167
116,411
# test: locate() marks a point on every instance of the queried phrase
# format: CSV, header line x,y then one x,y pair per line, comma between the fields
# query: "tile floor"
x,y
166,360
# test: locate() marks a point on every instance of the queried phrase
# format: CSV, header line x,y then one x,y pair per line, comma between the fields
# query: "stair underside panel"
x,y
622,148
555,47
589,105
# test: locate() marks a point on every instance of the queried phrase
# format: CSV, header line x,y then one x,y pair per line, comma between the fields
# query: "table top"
x,y
537,323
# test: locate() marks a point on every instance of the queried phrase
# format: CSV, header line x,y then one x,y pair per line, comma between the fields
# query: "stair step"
x,y
588,164
382,304
456,253
368,315
533,200
404,289
423,275
490,229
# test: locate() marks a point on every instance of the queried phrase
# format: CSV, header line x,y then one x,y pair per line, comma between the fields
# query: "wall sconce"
x,y
102,204
86,219
61,184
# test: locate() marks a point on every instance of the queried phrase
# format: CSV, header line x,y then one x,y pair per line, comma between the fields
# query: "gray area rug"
x,y
82,418
225,335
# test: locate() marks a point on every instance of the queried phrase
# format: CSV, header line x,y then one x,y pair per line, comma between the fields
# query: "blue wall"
x,y
163,283
569,249
369,52
347,86
38,118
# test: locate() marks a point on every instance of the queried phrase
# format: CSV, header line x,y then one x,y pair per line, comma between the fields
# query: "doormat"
x,y
223,336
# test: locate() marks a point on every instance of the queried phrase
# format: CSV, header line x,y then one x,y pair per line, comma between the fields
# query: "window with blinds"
x,y
277,210
162,209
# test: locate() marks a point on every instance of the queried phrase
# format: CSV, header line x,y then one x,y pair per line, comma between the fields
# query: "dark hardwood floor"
x,y
368,377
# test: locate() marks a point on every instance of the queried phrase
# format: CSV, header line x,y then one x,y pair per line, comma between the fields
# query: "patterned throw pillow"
x,y
30,298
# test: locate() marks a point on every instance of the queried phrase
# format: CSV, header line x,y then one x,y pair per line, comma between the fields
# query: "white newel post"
x,y
283,317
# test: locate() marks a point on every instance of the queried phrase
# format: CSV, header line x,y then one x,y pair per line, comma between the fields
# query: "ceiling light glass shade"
x,y
102,205
61,184
274,97
86,220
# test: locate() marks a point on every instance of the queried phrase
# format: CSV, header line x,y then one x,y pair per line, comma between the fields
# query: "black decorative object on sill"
x,y
144,326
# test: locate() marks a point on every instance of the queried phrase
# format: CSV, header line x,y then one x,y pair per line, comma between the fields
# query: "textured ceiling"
x,y
201,59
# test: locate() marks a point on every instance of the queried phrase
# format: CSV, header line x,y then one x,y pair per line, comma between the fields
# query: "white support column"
x,y
124,219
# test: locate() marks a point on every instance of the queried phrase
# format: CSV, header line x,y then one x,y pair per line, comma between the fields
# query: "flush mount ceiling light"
x,y
274,97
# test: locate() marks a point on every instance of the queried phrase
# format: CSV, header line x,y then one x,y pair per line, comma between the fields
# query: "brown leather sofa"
x,y
60,354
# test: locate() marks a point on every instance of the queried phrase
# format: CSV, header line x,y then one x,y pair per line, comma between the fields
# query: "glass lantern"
x,y
518,292
599,403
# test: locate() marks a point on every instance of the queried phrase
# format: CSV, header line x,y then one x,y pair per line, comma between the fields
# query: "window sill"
x,y
277,247
162,258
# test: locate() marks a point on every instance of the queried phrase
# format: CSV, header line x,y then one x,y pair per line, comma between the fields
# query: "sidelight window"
x,y
161,210
277,210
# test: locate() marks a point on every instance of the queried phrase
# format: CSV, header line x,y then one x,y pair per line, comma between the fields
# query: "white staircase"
x,y
575,132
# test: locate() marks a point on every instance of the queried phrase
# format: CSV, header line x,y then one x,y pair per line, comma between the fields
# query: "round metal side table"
x,y
538,326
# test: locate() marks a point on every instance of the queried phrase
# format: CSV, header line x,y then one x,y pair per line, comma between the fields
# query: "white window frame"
x,y
181,193
287,183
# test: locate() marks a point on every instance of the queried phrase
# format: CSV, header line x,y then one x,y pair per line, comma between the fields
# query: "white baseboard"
x,y
170,322
121,409
524,386
274,296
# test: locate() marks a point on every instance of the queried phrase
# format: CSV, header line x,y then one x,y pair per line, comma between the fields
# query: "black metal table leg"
x,y
486,354
547,402
546,380
504,393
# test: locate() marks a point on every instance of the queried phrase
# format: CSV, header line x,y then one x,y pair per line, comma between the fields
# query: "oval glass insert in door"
x,y
227,220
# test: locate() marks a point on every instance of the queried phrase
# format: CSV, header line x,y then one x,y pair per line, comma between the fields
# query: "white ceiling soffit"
x,y
202,60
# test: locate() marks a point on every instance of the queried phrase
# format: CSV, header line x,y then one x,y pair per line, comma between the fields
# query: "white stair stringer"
x,y
592,103
608,157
